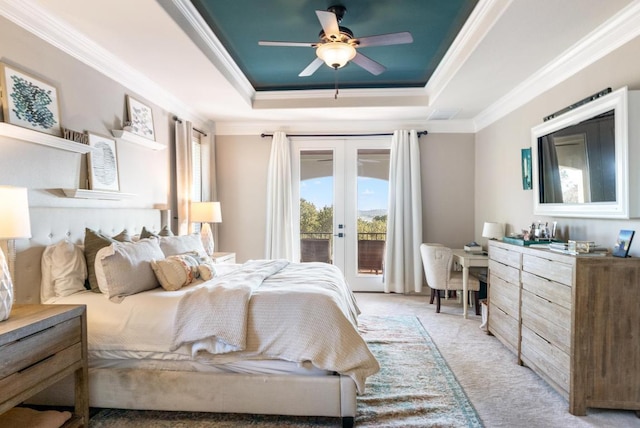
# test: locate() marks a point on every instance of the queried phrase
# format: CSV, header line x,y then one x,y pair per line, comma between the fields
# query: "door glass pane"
x,y
316,206
373,190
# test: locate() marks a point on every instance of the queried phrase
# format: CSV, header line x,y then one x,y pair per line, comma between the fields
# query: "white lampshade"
x,y
206,212
14,213
493,230
336,54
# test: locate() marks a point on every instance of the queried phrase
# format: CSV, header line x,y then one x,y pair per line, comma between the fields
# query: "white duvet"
x,y
300,312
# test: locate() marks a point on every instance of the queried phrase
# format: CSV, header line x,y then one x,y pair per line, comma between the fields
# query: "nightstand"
x,y
40,345
223,258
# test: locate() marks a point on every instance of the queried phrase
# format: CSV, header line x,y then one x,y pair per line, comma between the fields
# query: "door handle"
x,y
339,235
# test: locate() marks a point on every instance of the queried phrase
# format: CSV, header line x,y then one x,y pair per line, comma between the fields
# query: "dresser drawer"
x,y
506,257
507,273
546,268
550,321
505,295
549,360
555,292
504,327
36,347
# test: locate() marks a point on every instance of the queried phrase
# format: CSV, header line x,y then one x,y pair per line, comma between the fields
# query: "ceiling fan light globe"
x,y
336,54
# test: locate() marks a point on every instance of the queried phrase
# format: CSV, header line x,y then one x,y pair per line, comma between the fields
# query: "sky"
x,y
372,192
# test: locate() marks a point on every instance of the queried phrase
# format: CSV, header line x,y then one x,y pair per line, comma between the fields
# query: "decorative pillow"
x,y
165,231
123,269
64,271
173,245
175,272
94,241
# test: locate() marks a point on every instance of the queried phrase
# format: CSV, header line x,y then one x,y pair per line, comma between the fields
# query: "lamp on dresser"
x,y
205,213
14,224
493,230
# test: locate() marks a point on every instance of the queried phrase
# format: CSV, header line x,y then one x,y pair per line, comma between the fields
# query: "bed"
x,y
251,371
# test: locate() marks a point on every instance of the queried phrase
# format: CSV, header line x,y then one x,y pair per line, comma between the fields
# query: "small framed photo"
x,y
29,102
527,176
140,118
102,162
623,243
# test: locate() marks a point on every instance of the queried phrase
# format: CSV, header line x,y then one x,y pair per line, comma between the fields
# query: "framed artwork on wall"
x,y
140,118
29,102
102,162
527,176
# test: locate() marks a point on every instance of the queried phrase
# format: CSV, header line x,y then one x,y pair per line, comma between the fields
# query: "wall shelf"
x,y
19,133
136,139
96,194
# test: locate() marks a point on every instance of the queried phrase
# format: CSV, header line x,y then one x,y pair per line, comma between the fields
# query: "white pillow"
x,y
123,269
64,271
174,245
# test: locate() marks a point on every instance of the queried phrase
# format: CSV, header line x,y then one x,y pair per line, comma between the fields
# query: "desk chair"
x,y
437,261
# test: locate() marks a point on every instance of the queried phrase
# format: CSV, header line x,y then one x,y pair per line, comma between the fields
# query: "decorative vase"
x,y
6,288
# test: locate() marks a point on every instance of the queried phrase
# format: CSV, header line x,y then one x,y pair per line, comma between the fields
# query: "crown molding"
x,y
620,29
344,93
37,21
482,19
197,28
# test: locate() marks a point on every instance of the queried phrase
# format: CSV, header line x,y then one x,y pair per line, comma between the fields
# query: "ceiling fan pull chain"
x,y
335,97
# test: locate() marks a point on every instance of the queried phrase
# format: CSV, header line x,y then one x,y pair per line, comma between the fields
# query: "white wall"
x,y
499,194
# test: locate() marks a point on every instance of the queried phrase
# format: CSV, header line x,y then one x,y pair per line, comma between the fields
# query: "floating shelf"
x,y
136,139
96,194
19,133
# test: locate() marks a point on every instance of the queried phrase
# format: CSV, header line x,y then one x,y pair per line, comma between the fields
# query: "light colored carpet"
x,y
414,388
503,393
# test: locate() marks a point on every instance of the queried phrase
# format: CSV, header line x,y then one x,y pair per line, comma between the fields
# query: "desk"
x,y
466,260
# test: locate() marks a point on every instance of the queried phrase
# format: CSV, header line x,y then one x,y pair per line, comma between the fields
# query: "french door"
x,y
342,186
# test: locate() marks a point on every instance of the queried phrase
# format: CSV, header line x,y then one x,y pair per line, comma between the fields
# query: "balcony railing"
x,y
317,247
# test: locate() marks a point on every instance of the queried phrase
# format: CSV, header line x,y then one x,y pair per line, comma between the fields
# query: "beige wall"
x,y
447,179
89,101
499,194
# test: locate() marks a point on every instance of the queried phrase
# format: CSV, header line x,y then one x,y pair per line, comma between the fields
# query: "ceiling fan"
x,y
337,45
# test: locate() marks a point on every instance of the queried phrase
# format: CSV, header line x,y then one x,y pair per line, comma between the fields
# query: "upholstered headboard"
x,y
52,225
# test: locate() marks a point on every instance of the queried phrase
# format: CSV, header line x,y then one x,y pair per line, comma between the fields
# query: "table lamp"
x,y
493,230
205,213
14,223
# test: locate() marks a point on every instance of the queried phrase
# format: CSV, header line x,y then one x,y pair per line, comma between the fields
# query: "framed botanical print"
x,y
29,102
103,163
140,118
527,173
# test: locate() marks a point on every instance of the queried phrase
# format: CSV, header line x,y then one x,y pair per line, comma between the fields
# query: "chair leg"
x,y
433,294
476,301
437,301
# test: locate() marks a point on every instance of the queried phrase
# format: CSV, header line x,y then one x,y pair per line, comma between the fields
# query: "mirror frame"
x,y
626,205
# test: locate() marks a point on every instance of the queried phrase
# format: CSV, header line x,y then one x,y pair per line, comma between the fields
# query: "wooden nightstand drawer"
x,y
30,350
223,258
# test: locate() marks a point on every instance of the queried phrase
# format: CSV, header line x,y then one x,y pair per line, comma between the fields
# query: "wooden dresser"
x,y
40,345
574,320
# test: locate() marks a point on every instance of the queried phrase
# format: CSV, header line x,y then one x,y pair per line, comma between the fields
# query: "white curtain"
x,y
279,239
403,266
184,131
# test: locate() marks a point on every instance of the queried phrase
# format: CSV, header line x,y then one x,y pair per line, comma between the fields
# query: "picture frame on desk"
x,y
623,243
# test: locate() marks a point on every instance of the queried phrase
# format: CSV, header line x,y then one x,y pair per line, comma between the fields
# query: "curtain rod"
x,y
383,134
177,119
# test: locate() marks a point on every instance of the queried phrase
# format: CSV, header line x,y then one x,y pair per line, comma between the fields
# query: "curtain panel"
x,y
183,131
280,231
403,266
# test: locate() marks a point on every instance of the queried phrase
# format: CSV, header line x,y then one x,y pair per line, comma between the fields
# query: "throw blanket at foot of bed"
x,y
300,312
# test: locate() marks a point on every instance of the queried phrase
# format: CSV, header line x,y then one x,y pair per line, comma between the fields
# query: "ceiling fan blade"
x,y
329,22
299,44
311,68
386,39
368,64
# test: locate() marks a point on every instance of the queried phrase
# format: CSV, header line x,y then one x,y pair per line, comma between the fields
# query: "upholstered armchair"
x,y
437,261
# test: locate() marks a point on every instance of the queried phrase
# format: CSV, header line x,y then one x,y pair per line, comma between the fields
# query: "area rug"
x,y
414,388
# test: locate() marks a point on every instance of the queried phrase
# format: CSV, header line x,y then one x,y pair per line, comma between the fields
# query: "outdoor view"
x,y
316,209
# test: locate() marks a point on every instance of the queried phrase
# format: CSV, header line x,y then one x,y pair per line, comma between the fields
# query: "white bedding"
x,y
302,313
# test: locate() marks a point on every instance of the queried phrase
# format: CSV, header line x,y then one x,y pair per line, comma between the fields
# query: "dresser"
x,y
40,345
574,320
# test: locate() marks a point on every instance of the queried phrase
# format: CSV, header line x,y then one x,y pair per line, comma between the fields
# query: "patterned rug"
x,y
414,388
